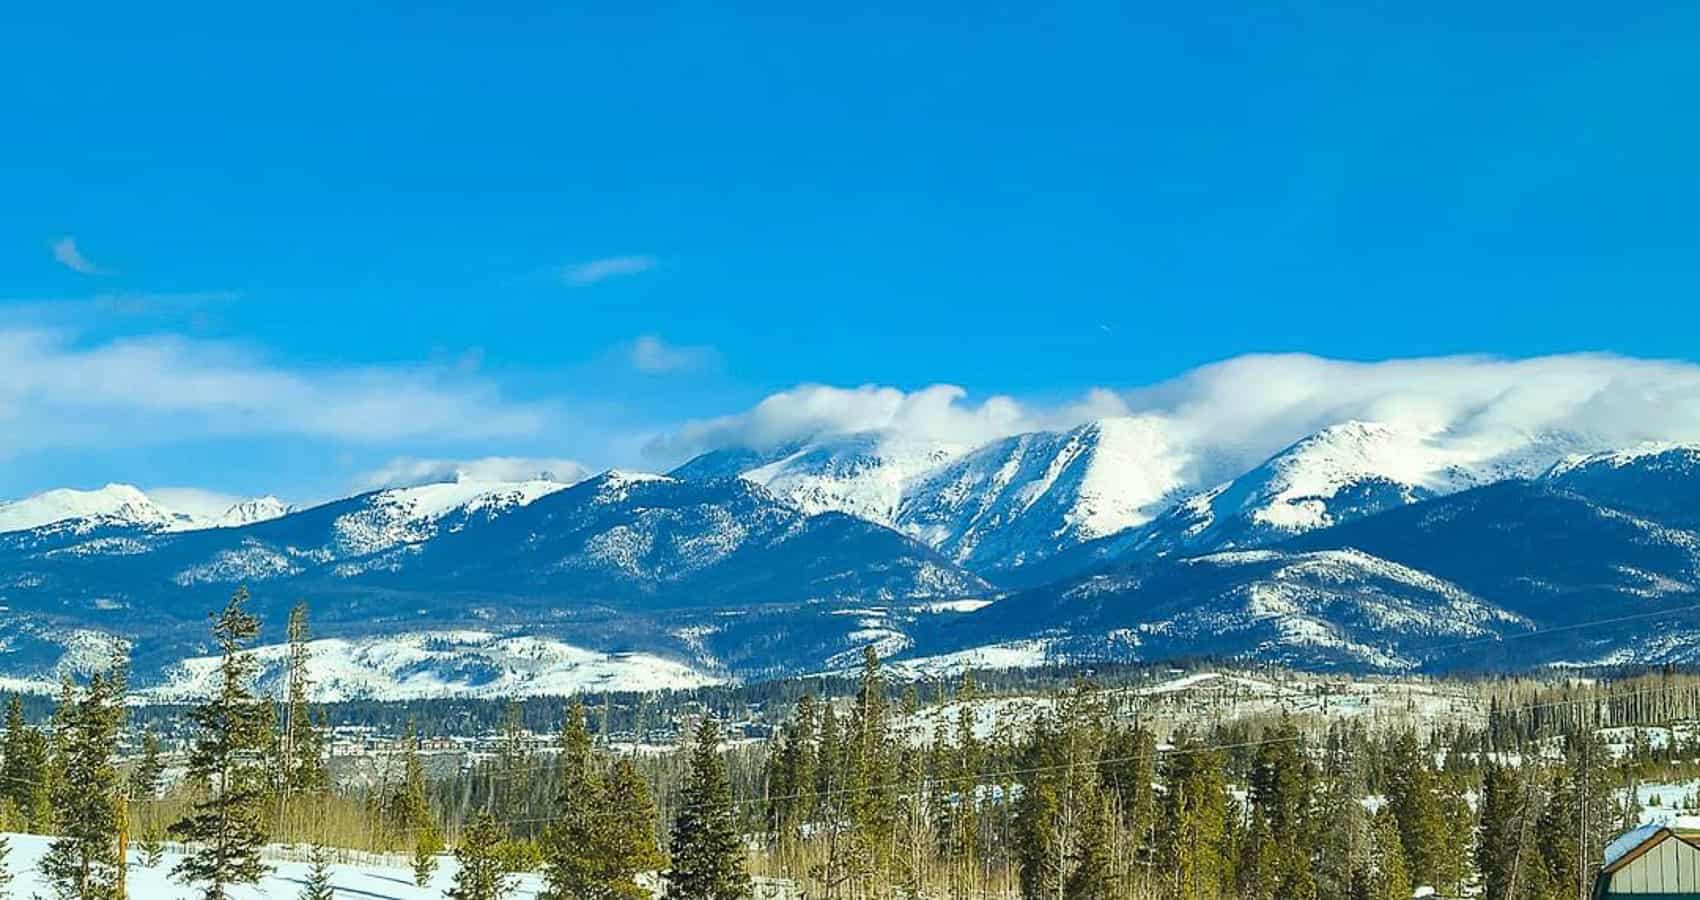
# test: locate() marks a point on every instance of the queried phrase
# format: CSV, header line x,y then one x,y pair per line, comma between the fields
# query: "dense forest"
x,y
852,792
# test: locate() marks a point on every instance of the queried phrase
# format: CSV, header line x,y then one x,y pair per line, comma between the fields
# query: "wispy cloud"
x,y
407,471
652,355
65,250
594,271
56,391
1228,416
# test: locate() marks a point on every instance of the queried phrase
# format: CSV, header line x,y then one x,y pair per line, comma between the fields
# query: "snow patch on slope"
x,y
443,664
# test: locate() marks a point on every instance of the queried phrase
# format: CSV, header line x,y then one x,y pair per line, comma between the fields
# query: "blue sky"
x,y
553,230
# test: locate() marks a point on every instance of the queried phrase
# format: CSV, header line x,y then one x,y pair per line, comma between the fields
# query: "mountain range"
x,y
1365,546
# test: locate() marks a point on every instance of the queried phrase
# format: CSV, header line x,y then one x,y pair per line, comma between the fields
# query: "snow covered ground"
x,y
368,881
444,664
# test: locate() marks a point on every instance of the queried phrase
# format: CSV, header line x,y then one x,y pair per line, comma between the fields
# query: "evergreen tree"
x,y
707,855
83,861
628,835
1457,839
5,868
427,843
1500,847
1193,840
1131,776
26,770
1093,876
144,778
1282,789
302,752
869,761
513,765
572,859
318,886
1389,878
1411,795
482,875
231,728
152,845
1061,799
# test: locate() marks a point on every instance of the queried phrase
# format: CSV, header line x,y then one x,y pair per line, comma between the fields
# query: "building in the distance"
x,y
1660,861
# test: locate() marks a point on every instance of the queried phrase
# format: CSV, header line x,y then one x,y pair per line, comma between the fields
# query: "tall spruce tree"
x,y
26,771
227,760
1193,849
1061,799
482,874
1389,877
84,860
303,752
572,860
629,846
707,854
869,760
1502,851
145,777
1411,795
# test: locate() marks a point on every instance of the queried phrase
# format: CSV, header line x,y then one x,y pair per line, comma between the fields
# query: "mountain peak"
x,y
112,504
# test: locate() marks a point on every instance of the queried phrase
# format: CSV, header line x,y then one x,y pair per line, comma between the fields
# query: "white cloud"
x,y
588,273
409,471
1233,414
933,413
56,392
66,252
655,356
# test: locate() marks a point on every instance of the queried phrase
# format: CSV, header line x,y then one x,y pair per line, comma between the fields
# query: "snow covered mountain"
x,y
1662,480
1364,545
257,509
1339,474
112,506
124,507
1315,609
1029,496
994,507
620,563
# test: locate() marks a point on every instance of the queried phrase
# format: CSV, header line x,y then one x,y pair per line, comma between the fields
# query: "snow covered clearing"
x,y
377,880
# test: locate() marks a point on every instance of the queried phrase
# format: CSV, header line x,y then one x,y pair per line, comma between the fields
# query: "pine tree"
x,y
303,756
1192,842
427,843
482,875
1093,876
152,845
83,860
144,778
1276,856
318,886
572,860
26,770
1062,800
513,765
868,761
1411,795
5,868
232,728
1389,878
708,857
628,834
1500,848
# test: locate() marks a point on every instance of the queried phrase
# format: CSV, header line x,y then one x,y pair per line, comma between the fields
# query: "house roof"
x,y
1627,845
